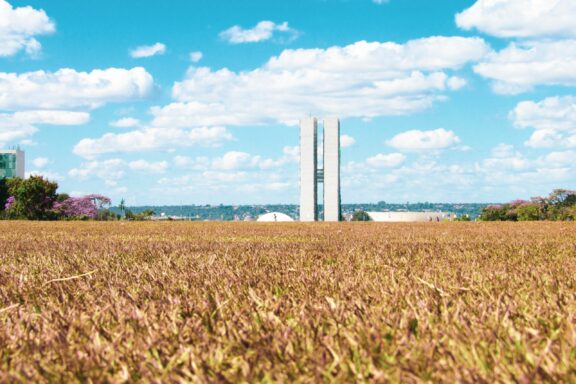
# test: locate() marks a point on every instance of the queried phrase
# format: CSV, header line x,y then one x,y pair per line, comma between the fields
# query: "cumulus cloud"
x,y
40,162
347,141
360,80
148,166
521,18
54,176
390,160
502,150
148,51
68,88
553,120
12,129
125,122
196,56
424,140
232,160
18,26
52,117
112,169
147,139
517,168
522,66
20,126
252,175
238,160
263,31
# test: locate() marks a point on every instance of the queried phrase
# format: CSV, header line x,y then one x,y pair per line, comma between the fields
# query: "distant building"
x,y
275,216
407,217
12,163
310,173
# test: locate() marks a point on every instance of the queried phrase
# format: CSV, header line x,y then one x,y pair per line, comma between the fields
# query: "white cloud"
x,y
521,18
52,117
196,56
530,173
232,160
360,80
112,169
147,166
522,66
148,51
424,140
553,113
18,26
12,130
54,176
549,139
147,139
503,150
263,31
559,159
20,126
390,160
199,163
40,162
553,119
292,153
347,141
68,88
126,122
235,160
253,176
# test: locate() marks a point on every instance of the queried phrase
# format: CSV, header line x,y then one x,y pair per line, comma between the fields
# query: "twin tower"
x,y
311,174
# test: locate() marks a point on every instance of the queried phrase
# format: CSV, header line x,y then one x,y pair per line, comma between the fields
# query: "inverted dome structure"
x,y
274,217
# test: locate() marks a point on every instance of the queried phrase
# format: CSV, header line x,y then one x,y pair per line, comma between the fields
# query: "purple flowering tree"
x,y
79,207
9,203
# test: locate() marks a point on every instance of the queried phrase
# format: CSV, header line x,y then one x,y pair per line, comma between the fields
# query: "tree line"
x,y
560,205
37,198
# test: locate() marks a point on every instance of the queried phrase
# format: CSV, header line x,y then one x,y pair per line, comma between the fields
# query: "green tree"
x,y
528,212
34,198
562,198
463,218
147,213
494,213
128,214
122,207
361,216
4,195
62,197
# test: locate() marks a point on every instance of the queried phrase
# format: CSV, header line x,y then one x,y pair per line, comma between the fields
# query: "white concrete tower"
x,y
20,163
308,166
331,169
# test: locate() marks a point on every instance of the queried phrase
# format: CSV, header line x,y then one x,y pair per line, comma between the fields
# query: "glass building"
x,y
11,163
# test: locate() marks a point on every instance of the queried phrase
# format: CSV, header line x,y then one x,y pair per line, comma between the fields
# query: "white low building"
x,y
274,217
409,217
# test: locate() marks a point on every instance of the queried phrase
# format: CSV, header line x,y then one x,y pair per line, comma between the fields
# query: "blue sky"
x,y
196,102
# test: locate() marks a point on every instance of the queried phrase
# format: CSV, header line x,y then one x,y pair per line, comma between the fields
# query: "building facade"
x,y
308,169
410,217
311,174
12,163
332,211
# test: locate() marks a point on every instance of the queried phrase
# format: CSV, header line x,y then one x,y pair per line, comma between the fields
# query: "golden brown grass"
x,y
205,302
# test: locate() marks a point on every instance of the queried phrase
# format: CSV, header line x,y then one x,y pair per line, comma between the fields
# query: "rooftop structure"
x,y
275,217
12,163
407,217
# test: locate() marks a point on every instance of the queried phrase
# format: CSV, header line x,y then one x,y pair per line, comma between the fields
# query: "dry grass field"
x,y
248,302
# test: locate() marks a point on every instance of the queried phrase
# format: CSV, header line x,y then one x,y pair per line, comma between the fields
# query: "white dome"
x,y
274,216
